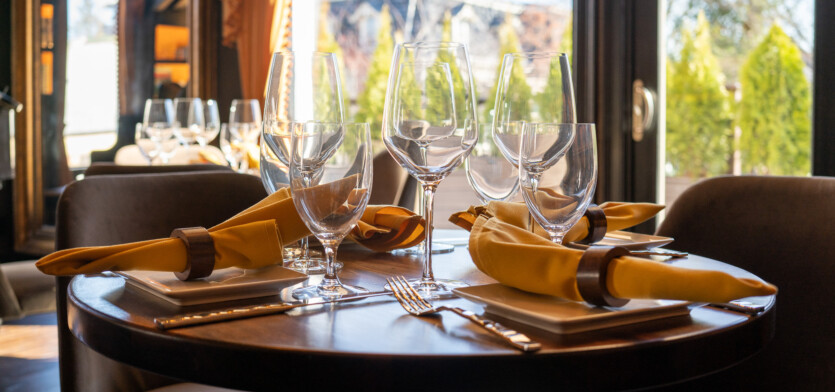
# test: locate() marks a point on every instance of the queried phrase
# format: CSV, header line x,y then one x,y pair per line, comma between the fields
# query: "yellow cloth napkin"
x,y
251,239
521,259
619,216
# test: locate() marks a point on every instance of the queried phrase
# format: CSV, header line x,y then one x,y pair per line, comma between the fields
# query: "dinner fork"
x,y
413,303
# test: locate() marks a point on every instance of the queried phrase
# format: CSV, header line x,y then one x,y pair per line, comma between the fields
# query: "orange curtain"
x,y
257,28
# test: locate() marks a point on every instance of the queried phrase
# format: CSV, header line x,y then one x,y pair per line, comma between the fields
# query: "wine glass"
x,y
276,175
302,87
144,144
211,116
558,174
245,118
532,87
492,176
235,148
429,126
330,180
159,124
188,113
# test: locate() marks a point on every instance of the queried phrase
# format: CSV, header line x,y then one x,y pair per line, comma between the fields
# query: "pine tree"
x,y
372,99
699,118
774,113
436,79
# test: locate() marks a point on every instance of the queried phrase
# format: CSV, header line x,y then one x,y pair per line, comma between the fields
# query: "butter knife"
x,y
234,313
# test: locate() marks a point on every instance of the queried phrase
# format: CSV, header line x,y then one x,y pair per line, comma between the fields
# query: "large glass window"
x,y
739,89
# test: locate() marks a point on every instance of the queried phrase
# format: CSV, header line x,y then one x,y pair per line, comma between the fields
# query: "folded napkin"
x,y
619,215
521,259
251,239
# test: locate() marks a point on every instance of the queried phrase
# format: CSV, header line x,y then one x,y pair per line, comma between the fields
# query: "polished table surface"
x,y
373,344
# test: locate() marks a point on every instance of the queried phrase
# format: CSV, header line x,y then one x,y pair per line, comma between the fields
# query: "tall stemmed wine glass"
x,y
188,112
533,87
211,117
159,123
429,125
492,176
330,180
303,87
558,174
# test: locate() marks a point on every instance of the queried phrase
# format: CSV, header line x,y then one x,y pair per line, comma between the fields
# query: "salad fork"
x,y
413,303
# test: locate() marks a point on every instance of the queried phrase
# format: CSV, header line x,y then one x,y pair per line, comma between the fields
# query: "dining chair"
x,y
24,290
781,229
113,209
389,181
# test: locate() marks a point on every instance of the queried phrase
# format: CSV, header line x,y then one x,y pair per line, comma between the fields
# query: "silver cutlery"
x,y
234,313
413,303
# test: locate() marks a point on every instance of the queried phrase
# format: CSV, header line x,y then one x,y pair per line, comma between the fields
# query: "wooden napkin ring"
x,y
597,224
591,275
200,249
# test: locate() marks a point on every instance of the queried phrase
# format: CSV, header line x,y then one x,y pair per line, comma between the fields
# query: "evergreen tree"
x,y
774,113
509,43
372,99
327,43
436,79
699,122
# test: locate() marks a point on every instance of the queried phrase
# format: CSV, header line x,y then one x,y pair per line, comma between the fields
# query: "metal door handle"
x,y
643,109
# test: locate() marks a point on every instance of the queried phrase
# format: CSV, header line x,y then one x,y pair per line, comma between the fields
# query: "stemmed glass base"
x,y
435,288
329,289
437,248
311,264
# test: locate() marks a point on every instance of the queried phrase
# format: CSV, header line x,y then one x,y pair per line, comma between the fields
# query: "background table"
x,y
374,345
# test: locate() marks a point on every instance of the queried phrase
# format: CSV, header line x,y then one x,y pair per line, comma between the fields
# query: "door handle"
x,y
643,109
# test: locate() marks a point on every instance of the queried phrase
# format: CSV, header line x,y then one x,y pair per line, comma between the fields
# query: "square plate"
x,y
222,285
631,241
563,316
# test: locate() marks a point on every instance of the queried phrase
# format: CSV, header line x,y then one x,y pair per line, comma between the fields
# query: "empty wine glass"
x,y
159,124
558,174
330,180
211,116
235,148
276,175
144,144
302,87
188,113
492,176
245,118
532,87
429,125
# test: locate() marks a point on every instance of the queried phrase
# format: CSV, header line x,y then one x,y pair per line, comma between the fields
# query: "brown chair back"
x,y
114,209
389,180
781,229
106,168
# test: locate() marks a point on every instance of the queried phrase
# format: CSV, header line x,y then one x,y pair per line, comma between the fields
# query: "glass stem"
x,y
330,279
429,194
556,237
305,257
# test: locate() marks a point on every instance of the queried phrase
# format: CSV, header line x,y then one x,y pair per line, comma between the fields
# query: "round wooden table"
x,y
374,345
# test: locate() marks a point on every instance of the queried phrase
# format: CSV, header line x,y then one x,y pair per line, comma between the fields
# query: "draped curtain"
x,y
257,28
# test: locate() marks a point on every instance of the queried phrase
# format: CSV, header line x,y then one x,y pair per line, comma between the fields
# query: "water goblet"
x,y
558,174
188,113
330,180
429,126
159,123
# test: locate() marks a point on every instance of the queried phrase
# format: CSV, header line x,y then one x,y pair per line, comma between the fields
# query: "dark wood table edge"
x,y
659,363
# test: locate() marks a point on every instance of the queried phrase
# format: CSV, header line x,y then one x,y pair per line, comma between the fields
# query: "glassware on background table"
x,y
245,118
159,123
211,116
430,126
144,144
235,148
558,174
302,87
492,176
188,113
330,180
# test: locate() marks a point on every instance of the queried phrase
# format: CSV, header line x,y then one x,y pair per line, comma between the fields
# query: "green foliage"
x,y
774,113
327,43
550,100
699,117
460,92
372,99
508,43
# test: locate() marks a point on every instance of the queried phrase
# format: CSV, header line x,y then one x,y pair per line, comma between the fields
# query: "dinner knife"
x,y
234,313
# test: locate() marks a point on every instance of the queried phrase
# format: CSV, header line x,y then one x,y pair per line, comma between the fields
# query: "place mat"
x,y
565,317
222,285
